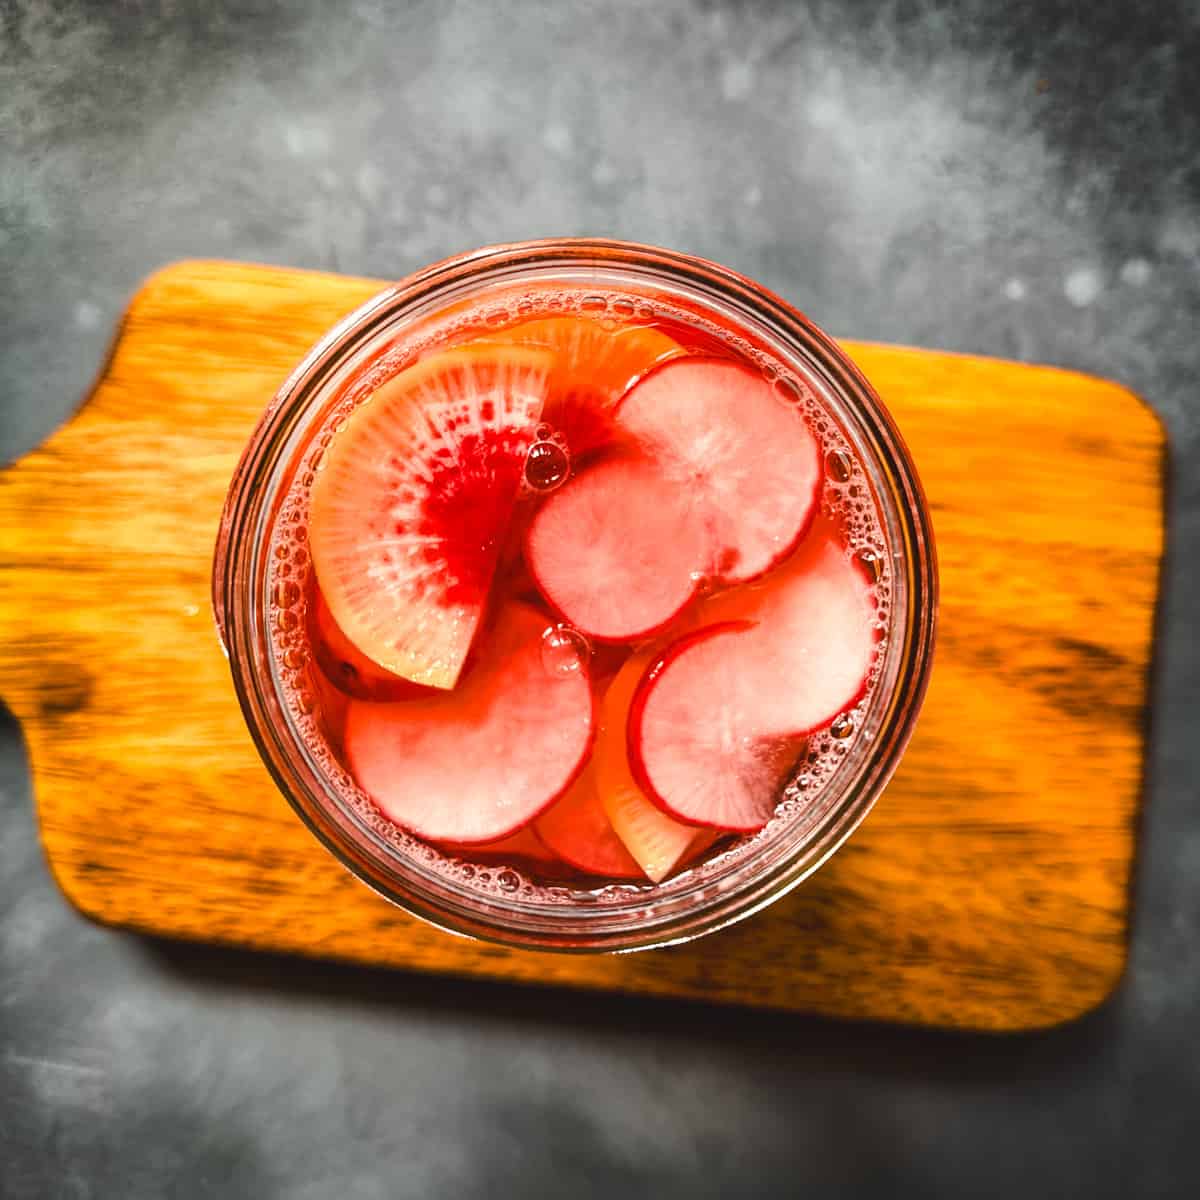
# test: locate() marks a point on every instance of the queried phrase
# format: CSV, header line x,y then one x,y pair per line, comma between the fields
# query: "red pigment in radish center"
x,y
462,498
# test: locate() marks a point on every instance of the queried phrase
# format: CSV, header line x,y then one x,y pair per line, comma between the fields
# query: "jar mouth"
x,y
734,884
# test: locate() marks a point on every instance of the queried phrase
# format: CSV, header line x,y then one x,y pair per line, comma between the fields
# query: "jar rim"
x,y
239,604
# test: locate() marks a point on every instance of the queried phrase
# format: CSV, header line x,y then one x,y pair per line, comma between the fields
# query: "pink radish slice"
x,y
718,723
810,652
615,550
476,764
692,743
577,829
742,454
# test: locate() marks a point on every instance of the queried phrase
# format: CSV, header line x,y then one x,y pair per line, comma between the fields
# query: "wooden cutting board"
x,y
989,889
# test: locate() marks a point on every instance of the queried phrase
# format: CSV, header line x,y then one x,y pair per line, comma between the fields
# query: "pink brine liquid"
x,y
571,592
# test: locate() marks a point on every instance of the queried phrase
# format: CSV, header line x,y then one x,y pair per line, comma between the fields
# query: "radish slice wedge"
x,y
413,499
593,368
657,842
578,831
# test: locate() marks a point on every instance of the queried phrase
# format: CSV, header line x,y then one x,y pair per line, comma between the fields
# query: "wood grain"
x,y
989,888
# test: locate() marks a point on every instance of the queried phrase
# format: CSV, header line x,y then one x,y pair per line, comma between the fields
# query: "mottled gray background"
x,y
1018,178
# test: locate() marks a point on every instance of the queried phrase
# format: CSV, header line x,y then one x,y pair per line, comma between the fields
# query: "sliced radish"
x,y
692,742
345,666
478,763
615,551
744,457
593,368
814,638
412,502
719,721
724,484
577,830
657,842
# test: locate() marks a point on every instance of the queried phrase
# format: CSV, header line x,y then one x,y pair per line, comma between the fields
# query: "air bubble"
x,y
564,651
509,881
871,563
839,466
788,390
294,658
623,308
546,466
842,726
594,303
287,619
286,593
498,317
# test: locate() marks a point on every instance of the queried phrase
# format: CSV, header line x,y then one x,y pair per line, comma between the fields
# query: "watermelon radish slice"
x,y
657,842
412,502
615,551
344,665
476,764
577,830
744,457
593,368
719,721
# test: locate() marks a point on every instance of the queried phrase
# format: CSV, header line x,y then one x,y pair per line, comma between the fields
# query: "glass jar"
x,y
718,892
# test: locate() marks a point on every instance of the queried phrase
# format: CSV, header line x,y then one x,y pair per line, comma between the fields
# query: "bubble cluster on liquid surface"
x,y
847,497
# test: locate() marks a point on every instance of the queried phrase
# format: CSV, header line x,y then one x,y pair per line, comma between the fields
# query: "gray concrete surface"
x,y
1018,178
